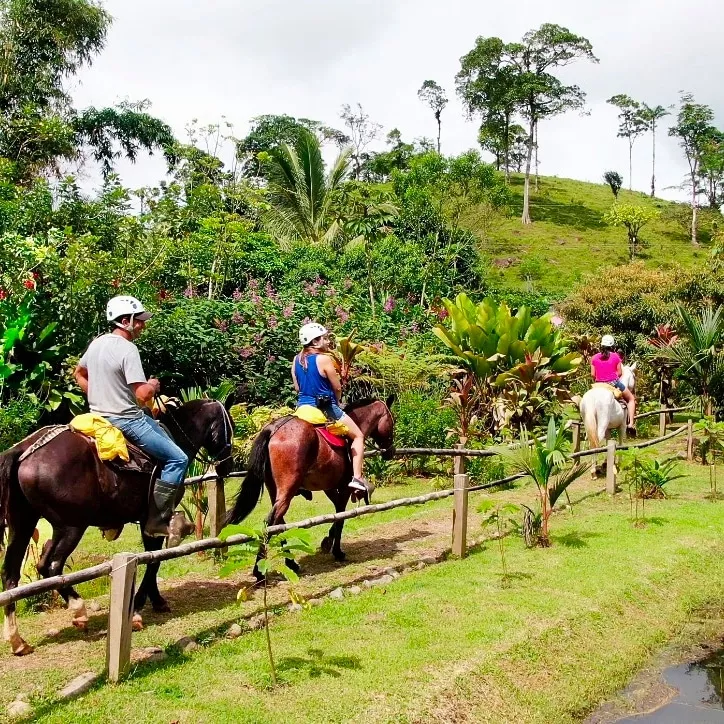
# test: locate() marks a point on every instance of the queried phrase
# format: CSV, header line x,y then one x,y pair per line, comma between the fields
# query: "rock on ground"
x,y
148,655
354,590
186,644
337,594
78,686
18,708
234,631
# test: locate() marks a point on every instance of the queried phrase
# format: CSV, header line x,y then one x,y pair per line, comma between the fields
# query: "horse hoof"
x,y
23,649
326,545
161,606
81,624
340,557
137,622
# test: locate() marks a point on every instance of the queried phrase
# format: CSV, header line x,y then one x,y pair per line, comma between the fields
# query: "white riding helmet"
x,y
608,341
126,307
309,332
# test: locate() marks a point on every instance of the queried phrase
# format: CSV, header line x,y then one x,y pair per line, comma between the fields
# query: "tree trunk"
x,y
653,160
439,131
536,156
525,218
630,164
694,210
506,144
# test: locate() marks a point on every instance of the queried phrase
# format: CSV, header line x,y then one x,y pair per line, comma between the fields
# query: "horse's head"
x,y
628,377
203,424
376,422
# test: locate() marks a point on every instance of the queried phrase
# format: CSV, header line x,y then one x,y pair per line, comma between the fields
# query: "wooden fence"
x,y
122,567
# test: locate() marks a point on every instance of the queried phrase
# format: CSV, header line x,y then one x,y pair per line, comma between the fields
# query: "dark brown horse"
x,y
290,456
64,482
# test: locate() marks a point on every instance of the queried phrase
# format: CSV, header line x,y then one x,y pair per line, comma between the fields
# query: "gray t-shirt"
x,y
113,364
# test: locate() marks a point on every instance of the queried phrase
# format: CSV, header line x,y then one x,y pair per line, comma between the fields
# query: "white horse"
x,y
601,411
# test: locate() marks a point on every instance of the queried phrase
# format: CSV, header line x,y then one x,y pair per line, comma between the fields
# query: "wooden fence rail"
x,y
122,568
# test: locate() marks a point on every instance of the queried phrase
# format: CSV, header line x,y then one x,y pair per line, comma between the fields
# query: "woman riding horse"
x,y
607,366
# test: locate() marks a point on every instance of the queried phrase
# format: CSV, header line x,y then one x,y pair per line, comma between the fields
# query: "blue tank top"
x,y
311,383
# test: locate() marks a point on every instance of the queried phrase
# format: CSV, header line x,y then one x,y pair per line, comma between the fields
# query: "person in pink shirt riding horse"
x,y
607,366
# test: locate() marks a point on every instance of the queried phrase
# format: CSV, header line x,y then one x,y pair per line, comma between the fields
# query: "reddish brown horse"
x,y
290,456
64,482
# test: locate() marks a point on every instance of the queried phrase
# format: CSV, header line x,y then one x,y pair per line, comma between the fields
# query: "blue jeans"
x,y
147,434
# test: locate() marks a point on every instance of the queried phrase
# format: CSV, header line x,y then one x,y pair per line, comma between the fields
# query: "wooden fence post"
x,y
690,440
662,422
576,432
611,467
217,505
123,585
460,508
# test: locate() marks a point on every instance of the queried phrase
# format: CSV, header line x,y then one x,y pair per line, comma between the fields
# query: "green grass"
x,y
451,642
569,237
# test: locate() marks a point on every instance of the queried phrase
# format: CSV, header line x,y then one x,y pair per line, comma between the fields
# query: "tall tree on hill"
x,y
651,115
362,131
712,168
543,95
434,96
501,139
488,85
694,130
630,125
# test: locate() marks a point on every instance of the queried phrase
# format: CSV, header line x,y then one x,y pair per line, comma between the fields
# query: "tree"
x,y
379,166
712,168
434,96
630,125
488,85
651,115
501,141
362,132
614,180
301,196
633,217
694,131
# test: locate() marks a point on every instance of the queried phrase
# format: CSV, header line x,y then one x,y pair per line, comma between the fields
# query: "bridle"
x,y
205,460
374,445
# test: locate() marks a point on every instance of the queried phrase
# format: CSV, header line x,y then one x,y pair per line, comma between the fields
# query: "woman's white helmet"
x,y
309,332
125,306
608,341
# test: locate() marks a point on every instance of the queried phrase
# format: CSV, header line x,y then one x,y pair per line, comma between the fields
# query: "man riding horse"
x,y
110,373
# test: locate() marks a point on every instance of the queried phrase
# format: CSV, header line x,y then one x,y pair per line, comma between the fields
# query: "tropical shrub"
x,y
519,362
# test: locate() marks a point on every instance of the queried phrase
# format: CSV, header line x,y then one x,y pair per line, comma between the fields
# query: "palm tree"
x,y
699,355
301,195
548,463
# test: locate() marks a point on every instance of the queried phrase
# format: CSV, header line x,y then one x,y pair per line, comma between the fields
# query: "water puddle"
x,y
701,694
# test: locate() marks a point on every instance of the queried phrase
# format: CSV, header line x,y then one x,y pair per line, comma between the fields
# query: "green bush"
x,y
421,421
18,417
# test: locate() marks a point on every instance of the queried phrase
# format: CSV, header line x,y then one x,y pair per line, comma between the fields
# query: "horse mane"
x,y
351,406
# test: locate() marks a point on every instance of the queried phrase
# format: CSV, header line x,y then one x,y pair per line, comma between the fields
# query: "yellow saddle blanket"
x,y
314,416
109,440
605,386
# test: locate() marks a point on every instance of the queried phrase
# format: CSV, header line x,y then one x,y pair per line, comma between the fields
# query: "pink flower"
x,y
271,292
442,313
311,289
29,283
256,299
3,294
288,311
342,314
390,304
221,324
271,358
189,292
236,295
257,338
273,322
253,284
246,352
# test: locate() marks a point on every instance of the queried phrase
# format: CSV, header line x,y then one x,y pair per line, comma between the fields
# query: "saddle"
x,y
605,386
331,432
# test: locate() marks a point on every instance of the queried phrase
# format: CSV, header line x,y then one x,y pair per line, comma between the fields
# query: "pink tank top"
x,y
606,369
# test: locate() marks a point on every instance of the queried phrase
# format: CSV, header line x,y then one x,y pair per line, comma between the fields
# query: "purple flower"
x,y
390,304
306,320
257,338
288,311
342,314
271,358
253,284
311,289
189,292
236,295
255,298
271,292
414,328
331,292
245,352
273,322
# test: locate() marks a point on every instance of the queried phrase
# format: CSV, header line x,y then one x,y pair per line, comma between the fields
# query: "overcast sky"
x,y
306,58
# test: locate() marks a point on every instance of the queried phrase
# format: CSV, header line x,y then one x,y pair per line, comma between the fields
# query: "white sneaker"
x,y
357,484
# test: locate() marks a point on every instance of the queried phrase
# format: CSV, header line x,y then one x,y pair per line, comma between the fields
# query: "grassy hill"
x,y
569,237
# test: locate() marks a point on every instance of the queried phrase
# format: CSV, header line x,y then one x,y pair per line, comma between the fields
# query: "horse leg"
x,y
64,542
21,531
149,586
333,541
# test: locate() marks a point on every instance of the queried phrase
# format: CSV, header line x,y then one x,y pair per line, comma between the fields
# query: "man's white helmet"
x,y
126,307
309,332
608,341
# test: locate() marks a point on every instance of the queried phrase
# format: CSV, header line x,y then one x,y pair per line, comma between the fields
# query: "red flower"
x,y
3,294
115,283
29,283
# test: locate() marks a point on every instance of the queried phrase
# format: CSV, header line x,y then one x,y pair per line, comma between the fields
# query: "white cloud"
x,y
241,59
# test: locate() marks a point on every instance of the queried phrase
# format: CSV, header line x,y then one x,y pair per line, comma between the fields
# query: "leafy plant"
x,y
713,441
276,553
504,517
633,217
548,463
646,478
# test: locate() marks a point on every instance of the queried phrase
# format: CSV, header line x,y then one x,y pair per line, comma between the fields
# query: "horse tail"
x,y
8,476
253,486
588,412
